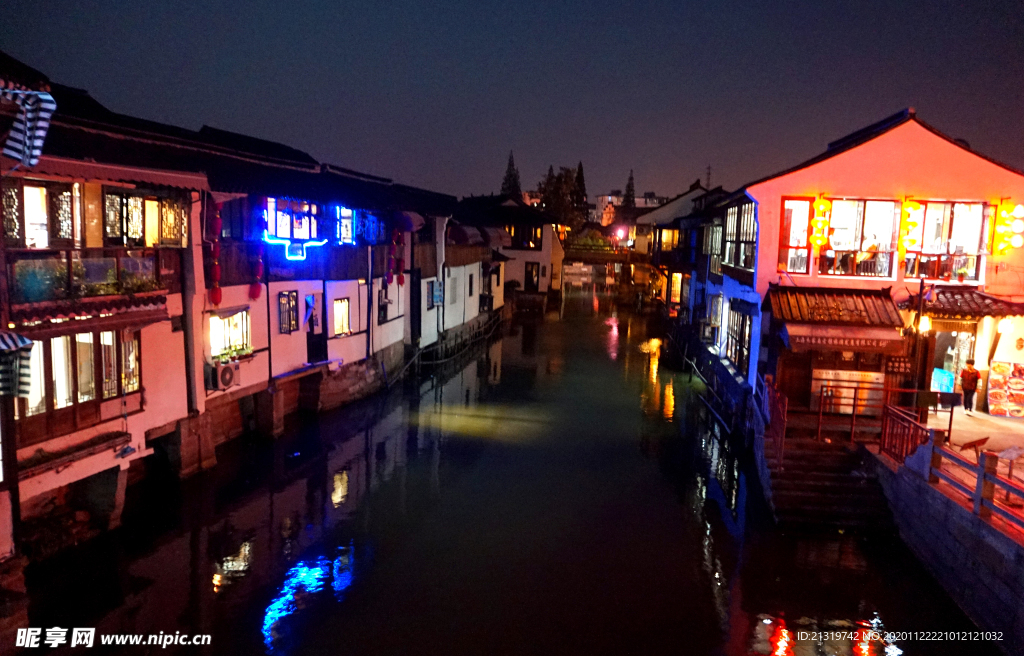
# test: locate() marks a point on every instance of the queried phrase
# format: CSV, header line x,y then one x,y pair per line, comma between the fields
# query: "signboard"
x,y
1006,389
863,339
942,380
841,386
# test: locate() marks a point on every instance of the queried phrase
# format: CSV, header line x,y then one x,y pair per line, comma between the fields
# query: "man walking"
x,y
969,377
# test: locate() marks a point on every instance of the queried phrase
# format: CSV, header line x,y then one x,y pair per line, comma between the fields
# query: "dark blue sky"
x,y
436,94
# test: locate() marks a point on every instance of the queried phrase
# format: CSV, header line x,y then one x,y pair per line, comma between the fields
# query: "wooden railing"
x,y
870,400
902,434
990,492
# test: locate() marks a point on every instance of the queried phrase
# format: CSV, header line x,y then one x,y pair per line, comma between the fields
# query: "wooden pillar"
x,y
985,488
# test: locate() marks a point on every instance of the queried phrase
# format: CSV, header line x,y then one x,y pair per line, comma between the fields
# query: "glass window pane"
x,y
37,391
965,235
878,226
797,213
130,364
37,230
86,367
284,224
152,212
844,224
341,316
217,338
108,364
935,219
63,372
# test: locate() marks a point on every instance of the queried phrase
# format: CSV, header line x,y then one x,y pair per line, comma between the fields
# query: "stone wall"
x,y
980,566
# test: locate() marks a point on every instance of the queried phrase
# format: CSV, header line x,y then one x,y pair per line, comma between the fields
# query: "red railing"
x,y
869,400
990,492
902,434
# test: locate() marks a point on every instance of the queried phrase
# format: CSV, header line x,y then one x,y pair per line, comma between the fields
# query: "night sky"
x,y
436,94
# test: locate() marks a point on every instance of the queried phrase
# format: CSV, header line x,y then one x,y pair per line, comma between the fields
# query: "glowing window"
x,y
230,334
37,229
341,317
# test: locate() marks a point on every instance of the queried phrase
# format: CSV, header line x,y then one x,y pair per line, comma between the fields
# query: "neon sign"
x,y
346,230
292,225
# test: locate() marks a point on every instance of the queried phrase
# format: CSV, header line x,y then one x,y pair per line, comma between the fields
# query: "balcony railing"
x,y
36,276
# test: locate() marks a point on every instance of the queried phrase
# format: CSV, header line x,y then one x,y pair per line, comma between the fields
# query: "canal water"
x,y
559,491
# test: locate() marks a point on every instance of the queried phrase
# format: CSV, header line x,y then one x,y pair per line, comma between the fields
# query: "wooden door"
x,y
794,378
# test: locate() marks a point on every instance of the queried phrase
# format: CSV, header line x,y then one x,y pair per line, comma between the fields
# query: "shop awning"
x,y
861,339
496,237
464,235
963,303
15,356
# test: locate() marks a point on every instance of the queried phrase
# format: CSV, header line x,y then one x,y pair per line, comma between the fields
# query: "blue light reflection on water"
x,y
304,579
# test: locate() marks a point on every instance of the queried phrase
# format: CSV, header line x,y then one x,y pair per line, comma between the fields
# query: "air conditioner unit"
x,y
224,375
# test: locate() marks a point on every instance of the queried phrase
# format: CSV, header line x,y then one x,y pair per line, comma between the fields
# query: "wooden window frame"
x,y
288,312
808,248
737,340
348,318
947,231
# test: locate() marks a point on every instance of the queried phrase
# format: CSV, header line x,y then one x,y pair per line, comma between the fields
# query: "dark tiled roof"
x,y
499,211
834,306
949,302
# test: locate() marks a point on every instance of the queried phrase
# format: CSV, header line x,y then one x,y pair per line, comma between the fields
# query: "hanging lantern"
x,y
216,294
401,279
391,277
254,290
911,224
819,224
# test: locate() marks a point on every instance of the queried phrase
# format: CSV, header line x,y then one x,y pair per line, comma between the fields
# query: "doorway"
x,y
532,282
316,336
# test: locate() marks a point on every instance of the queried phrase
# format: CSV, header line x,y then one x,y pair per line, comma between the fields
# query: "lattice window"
x,y
112,217
172,222
63,215
11,211
134,219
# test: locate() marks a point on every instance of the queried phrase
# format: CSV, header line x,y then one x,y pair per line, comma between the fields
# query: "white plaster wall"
x,y
288,351
250,370
428,330
386,334
459,305
347,348
908,161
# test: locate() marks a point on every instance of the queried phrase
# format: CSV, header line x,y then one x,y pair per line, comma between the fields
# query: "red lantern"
x,y
215,272
215,225
399,265
401,279
254,290
216,295
391,277
215,249
391,264
259,270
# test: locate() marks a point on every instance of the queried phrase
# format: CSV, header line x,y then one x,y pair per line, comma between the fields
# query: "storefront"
x,y
831,346
963,323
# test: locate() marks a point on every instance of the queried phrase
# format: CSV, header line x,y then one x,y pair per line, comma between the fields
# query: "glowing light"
x,y
340,492
913,215
820,222
924,324
218,581
1017,225
1017,241
294,250
621,233
1018,212
1005,325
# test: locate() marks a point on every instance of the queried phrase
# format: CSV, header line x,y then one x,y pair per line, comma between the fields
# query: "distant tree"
x,y
510,186
629,198
560,197
580,192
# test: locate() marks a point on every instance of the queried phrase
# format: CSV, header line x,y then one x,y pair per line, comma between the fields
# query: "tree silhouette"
x,y
579,199
510,186
629,198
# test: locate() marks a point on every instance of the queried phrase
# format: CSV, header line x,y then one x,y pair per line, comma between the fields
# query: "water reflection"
x,y
559,482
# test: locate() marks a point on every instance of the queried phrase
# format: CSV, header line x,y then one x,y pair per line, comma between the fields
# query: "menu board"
x,y
1006,390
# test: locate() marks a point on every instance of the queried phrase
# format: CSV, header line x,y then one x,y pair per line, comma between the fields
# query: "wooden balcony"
x,y
46,276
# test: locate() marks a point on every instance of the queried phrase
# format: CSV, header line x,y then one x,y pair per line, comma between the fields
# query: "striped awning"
x,y
25,140
15,356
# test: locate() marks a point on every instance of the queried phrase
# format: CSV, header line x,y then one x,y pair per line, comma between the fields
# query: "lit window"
x,y
108,364
37,391
130,366
85,344
341,317
794,250
861,238
345,232
947,242
63,372
432,287
288,312
230,335
677,286
37,228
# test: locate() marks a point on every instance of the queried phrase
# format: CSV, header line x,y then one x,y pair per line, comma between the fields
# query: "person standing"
x,y
969,377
